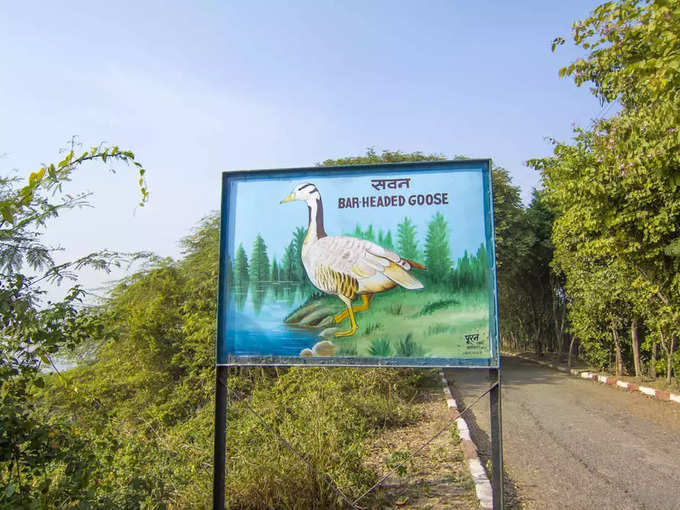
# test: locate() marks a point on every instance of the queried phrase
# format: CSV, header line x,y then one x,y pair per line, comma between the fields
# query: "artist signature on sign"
x,y
472,339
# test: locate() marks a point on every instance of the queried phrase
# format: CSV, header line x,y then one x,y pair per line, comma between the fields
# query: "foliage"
x,y
615,188
408,348
380,347
42,461
407,245
437,251
372,158
259,261
440,304
241,267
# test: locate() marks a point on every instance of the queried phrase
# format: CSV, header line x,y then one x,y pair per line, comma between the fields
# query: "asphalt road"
x,y
569,443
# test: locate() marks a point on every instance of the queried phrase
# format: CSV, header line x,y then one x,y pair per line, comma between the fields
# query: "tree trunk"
x,y
668,349
652,362
571,347
669,365
636,348
562,321
619,357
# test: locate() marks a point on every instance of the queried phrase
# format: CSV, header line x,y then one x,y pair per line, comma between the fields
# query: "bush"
x,y
408,348
380,347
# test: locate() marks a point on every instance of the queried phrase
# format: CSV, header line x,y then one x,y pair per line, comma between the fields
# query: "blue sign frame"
x,y
418,317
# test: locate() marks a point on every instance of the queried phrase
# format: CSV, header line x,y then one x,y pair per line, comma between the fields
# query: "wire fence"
x,y
351,503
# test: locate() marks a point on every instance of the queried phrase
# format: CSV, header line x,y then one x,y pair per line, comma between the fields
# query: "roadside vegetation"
x,y
597,273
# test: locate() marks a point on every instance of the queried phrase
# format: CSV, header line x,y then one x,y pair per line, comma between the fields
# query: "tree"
x,y
369,234
387,241
407,245
287,269
259,261
615,189
241,271
437,251
299,274
33,330
275,270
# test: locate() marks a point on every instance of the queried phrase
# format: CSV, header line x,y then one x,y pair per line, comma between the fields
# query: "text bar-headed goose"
x,y
346,266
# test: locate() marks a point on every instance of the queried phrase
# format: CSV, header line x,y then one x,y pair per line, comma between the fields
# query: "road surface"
x,y
569,443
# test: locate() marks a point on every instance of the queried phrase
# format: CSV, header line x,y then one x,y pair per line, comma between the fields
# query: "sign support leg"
x,y
496,440
219,456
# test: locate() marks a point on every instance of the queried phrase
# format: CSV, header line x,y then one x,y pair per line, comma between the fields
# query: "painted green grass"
x,y
436,320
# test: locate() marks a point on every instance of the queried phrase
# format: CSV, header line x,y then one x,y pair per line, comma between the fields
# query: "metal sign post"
x,y
219,466
496,439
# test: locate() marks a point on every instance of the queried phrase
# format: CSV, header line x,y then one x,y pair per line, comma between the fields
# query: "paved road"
x,y
573,444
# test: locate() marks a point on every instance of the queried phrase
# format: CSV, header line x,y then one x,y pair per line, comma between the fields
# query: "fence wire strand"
x,y
325,476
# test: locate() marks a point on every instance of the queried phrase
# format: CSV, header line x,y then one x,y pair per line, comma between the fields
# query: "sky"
x,y
198,88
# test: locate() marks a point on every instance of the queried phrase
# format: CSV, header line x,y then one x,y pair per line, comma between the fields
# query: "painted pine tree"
x,y
259,262
481,267
275,270
287,268
437,251
407,243
299,274
387,241
241,275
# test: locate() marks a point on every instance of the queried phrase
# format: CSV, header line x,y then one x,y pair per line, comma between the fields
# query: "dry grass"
x,y
438,476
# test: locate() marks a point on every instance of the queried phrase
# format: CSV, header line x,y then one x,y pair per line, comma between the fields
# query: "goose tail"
x,y
415,264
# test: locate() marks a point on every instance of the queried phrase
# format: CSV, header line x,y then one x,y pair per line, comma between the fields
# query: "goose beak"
x,y
289,198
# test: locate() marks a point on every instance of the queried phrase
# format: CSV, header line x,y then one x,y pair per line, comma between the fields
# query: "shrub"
x,y
409,348
380,347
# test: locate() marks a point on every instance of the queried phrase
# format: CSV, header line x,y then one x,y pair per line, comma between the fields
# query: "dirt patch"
x,y
436,478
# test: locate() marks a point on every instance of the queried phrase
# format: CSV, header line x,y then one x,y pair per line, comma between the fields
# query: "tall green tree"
x,y
407,243
241,267
615,188
275,270
259,261
288,264
437,250
387,241
299,274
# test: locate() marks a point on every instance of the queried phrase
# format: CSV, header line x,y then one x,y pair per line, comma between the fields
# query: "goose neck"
x,y
315,230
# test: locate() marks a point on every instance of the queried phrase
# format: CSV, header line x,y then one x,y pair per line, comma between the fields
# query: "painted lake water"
x,y
258,327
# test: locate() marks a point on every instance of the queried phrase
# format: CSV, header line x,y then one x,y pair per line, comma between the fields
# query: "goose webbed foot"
x,y
349,332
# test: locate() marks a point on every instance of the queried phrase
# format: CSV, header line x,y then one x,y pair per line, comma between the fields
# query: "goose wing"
x,y
362,259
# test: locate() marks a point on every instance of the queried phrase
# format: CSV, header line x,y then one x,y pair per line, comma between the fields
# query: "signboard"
x,y
378,265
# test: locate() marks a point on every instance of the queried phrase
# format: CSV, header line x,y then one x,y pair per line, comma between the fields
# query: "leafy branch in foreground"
x,y
32,329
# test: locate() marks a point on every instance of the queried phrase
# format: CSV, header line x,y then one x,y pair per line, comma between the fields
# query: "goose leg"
x,y
350,312
365,298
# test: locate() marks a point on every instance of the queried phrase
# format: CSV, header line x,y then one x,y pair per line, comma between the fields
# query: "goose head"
x,y
304,192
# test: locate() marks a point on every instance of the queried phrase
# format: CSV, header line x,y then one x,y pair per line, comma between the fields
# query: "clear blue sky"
x,y
195,88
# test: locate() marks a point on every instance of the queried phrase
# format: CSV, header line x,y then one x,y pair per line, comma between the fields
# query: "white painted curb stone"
x,y
658,394
482,484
